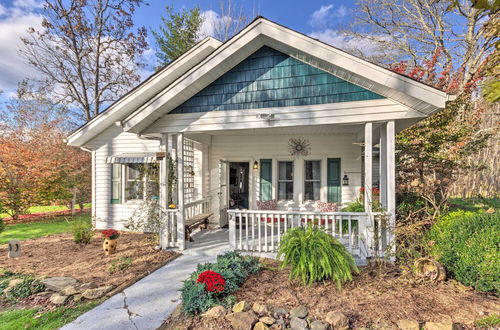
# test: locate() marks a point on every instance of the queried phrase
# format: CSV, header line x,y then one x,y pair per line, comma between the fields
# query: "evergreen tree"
x,y
177,34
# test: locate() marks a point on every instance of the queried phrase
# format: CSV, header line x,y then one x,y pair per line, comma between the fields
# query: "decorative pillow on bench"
x,y
326,207
271,205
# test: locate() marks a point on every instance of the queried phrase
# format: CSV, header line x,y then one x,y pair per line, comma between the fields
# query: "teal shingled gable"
x,y
269,78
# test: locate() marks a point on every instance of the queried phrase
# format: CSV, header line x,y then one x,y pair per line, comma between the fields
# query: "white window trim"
x,y
304,180
278,179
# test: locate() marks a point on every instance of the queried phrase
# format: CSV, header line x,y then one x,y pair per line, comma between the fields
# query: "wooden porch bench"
x,y
196,221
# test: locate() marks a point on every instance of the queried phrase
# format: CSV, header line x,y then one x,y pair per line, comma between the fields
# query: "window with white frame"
x,y
134,182
312,180
285,180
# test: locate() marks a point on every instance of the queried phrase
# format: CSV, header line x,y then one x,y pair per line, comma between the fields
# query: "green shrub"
x,y
315,256
356,206
82,231
233,267
26,288
2,226
468,245
488,322
119,264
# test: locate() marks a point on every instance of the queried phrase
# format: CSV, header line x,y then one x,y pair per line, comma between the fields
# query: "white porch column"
x,y
164,172
383,166
180,191
368,167
391,177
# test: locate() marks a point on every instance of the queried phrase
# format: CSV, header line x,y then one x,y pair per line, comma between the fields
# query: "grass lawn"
x,y
43,209
23,231
474,204
31,319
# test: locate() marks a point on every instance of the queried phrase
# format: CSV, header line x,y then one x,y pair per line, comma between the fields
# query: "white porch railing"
x,y
172,230
193,209
261,231
169,229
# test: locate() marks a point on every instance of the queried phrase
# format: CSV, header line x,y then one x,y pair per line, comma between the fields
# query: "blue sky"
x,y
320,19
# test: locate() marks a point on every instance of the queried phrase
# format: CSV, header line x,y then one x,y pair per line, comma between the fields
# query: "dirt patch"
x,y
378,294
34,217
58,255
376,298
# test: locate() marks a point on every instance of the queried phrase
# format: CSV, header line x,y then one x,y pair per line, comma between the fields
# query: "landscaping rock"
x,y
58,283
337,320
408,325
242,320
58,299
297,323
215,312
299,311
278,311
260,326
260,309
318,325
446,323
241,306
267,320
77,298
97,292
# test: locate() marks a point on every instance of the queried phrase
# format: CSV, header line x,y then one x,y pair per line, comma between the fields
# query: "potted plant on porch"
x,y
110,237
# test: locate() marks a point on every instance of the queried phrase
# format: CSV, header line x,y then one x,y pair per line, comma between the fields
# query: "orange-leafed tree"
x,y
36,166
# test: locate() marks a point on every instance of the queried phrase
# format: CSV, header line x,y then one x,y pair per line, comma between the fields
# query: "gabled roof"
x,y
143,92
261,32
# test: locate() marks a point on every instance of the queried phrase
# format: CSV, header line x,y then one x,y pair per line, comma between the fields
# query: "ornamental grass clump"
x,y
212,283
314,256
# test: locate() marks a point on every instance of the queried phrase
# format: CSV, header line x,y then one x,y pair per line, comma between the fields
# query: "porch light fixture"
x,y
345,180
255,165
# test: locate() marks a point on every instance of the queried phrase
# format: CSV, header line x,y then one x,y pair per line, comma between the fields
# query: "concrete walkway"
x,y
148,303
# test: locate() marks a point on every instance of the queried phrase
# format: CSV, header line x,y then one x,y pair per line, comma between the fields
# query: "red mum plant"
x,y
110,234
214,282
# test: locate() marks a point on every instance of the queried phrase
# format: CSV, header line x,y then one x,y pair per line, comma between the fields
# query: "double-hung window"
x,y
285,180
134,182
312,180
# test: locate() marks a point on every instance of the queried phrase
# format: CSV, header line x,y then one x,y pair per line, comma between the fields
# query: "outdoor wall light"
x,y
345,180
255,165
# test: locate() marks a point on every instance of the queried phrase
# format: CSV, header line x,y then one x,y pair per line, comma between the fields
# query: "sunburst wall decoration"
x,y
299,147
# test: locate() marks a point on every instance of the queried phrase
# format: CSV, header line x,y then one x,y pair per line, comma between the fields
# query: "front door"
x,y
238,185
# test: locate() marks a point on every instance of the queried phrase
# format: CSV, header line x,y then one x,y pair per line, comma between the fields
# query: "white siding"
x,y
111,142
255,147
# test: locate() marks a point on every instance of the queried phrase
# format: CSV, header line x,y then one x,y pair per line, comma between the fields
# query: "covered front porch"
x,y
226,175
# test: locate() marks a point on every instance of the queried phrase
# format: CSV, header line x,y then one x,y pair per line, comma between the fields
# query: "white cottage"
x,y
270,130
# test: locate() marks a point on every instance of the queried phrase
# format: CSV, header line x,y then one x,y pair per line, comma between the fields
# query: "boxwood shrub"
x,y
468,245
233,267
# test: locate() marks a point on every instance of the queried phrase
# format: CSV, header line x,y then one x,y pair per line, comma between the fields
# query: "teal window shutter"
x,y
266,179
116,183
334,188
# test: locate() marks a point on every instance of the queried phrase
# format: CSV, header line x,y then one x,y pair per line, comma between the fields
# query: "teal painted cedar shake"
x,y
269,78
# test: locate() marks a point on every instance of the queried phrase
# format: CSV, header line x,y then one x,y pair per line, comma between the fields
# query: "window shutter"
x,y
266,179
116,183
334,189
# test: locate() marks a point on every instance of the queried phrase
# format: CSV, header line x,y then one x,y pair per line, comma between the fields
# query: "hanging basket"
x,y
429,269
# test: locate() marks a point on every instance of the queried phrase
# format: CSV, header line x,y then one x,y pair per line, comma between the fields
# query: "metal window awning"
x,y
133,158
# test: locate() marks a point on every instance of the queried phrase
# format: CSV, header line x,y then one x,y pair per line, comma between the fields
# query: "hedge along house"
x,y
269,130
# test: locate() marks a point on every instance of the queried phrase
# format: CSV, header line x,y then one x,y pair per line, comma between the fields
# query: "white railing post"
x,y
180,191
232,231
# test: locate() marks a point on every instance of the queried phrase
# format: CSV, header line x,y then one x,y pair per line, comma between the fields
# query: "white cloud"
x,y
3,10
27,4
14,24
216,25
327,16
348,43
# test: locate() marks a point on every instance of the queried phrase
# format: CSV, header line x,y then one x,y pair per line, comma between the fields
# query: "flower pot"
x,y
109,246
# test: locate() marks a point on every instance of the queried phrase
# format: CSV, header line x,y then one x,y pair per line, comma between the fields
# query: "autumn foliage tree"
x,y
36,166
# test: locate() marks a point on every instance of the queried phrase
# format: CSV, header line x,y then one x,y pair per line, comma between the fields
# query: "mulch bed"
x,y
378,297
32,217
58,255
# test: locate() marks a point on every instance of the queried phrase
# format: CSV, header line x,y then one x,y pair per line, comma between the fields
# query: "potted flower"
x,y
110,237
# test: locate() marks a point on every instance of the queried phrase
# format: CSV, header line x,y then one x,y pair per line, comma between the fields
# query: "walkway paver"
x,y
148,303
